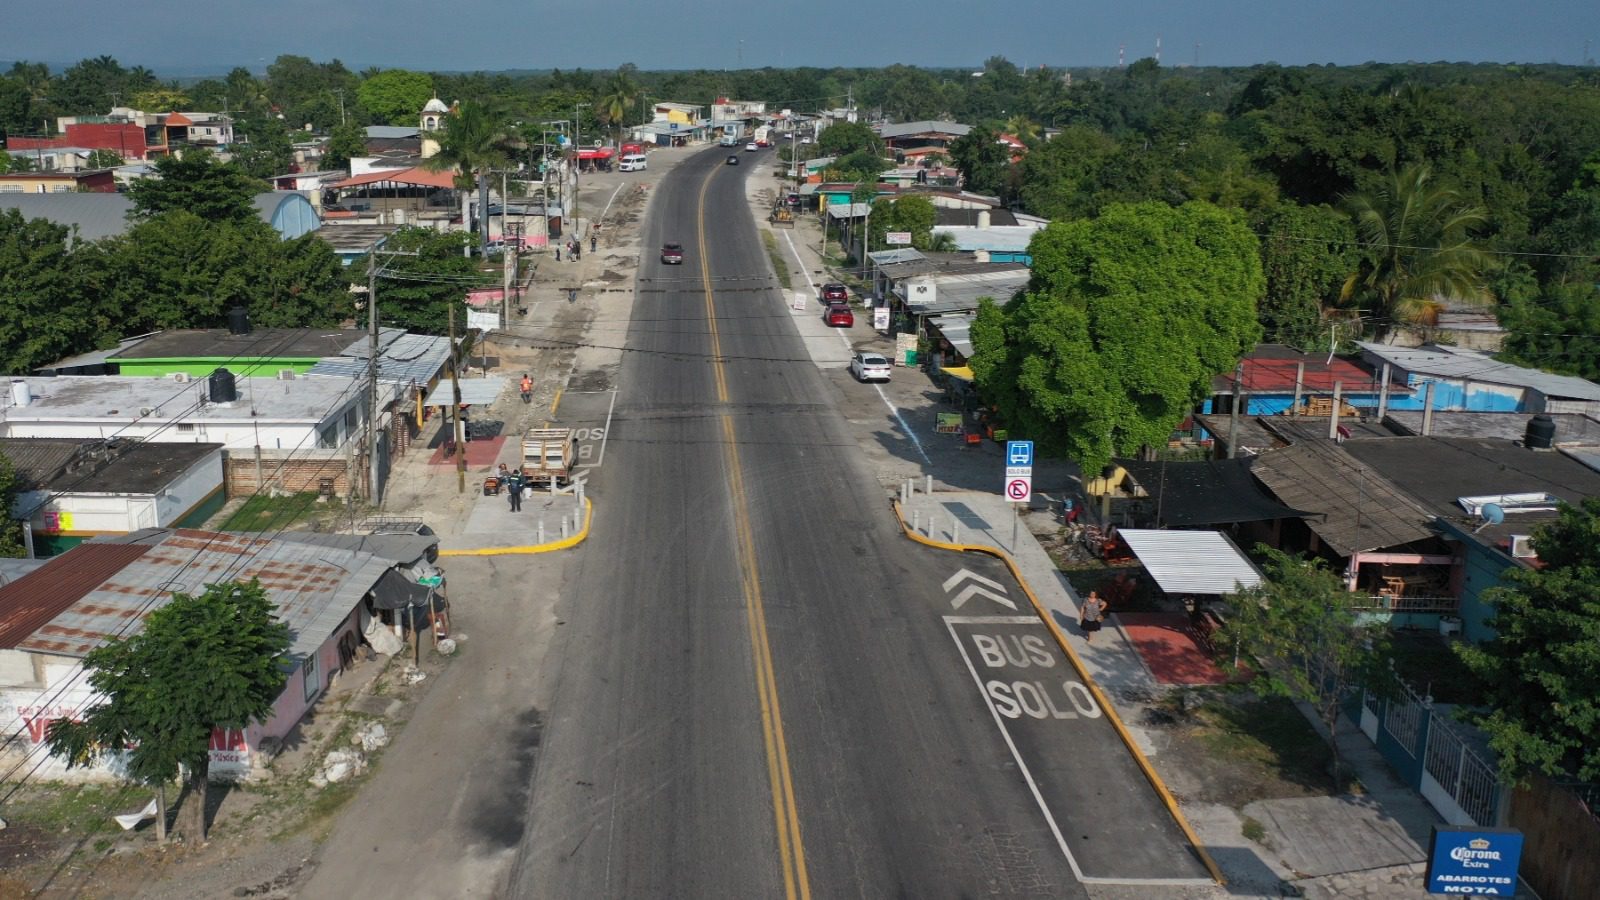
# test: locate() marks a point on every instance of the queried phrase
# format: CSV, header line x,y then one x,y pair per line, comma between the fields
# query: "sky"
x,y
185,37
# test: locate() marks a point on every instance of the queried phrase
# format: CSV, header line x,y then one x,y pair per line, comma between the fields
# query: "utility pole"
x,y
1233,418
456,432
372,373
577,158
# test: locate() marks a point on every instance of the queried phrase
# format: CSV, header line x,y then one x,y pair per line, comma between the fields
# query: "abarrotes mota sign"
x,y
1474,861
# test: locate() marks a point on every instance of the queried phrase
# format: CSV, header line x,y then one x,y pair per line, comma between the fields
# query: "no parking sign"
x,y
1019,488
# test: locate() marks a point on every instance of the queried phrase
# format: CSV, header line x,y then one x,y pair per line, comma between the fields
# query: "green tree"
x,y
161,99
105,159
984,162
11,544
17,164
345,143
474,140
416,292
1542,670
615,102
1306,253
16,108
1127,319
396,96
1297,634
201,662
177,270
1063,178
844,138
910,213
1418,251
269,150
47,313
196,183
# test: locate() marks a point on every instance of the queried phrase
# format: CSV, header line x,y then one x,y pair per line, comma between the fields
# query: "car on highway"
x,y
869,367
733,160
763,143
833,290
751,147
672,253
838,315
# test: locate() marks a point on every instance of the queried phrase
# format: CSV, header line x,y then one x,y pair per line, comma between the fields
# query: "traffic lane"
x,y
653,780
903,784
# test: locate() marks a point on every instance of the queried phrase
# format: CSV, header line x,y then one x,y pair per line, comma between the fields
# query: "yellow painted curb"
x,y
1111,713
549,547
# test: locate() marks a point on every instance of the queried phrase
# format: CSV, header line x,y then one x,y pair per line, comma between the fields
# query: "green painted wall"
x,y
204,510
202,367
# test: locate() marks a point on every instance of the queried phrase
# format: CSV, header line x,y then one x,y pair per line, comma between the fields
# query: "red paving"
x,y
480,453
1166,643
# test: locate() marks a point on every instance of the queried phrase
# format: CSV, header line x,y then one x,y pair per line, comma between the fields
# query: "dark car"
x,y
834,291
733,160
839,316
672,253
792,199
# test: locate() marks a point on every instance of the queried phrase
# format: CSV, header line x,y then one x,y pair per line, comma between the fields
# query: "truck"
x,y
548,456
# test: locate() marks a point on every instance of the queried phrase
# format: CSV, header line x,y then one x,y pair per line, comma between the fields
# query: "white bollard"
x,y
916,520
541,531
928,486
563,528
955,537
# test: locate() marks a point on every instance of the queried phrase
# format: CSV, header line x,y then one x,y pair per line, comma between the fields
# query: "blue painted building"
x,y
1475,381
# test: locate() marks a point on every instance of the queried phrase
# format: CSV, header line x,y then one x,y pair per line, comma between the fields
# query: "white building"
x,y
287,413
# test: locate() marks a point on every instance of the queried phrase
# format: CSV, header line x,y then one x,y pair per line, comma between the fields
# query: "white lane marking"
x,y
974,590
969,575
1022,765
608,203
605,430
904,428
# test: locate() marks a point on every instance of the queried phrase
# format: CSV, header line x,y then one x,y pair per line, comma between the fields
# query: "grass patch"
x,y
1267,740
779,264
1253,830
80,809
263,513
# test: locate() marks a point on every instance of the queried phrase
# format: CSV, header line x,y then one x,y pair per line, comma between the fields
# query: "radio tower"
x,y
1122,50
1197,54
1158,49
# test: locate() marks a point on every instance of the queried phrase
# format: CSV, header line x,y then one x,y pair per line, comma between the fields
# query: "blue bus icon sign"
x,y
1019,453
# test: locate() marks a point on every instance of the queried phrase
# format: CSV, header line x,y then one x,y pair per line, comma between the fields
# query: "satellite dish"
x,y
1491,514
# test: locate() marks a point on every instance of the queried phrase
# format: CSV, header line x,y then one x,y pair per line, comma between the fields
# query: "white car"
x,y
870,367
751,147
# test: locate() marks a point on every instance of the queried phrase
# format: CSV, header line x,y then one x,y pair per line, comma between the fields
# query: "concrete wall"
x,y
1458,395
240,435
202,367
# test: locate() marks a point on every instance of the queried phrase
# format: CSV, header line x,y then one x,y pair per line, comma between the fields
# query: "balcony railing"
x,y
1391,604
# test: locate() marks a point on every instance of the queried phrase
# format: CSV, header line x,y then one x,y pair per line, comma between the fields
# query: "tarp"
x,y
1206,492
600,153
1191,562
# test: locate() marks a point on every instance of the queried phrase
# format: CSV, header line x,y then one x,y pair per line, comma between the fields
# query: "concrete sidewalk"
x,y
1370,846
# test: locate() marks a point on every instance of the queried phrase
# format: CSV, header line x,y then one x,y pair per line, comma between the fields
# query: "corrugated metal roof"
x,y
1473,365
961,293
40,596
474,391
897,255
1354,508
1192,562
312,587
407,359
957,330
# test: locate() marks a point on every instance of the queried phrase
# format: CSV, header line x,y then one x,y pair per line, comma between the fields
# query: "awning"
x,y
1206,492
474,391
962,372
597,153
1191,562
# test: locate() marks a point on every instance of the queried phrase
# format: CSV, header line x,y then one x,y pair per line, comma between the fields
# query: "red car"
x,y
672,253
834,291
839,316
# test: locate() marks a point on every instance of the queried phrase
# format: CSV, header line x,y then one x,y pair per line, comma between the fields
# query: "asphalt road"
x,y
754,693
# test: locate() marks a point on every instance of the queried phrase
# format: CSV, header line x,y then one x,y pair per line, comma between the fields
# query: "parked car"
x,y
751,147
839,316
672,253
833,290
733,160
869,367
792,199
763,143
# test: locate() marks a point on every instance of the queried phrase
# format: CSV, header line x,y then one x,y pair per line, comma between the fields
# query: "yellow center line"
x,y
791,851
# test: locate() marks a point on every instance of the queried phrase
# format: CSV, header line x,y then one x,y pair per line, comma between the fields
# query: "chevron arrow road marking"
x,y
979,587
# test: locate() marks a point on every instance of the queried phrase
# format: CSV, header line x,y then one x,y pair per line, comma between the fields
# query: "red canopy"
x,y
601,153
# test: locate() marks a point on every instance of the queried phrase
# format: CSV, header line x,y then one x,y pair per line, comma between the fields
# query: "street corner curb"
x,y
1060,637
565,543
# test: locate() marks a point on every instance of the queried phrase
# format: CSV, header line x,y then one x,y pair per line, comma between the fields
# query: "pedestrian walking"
x,y
527,390
558,253
594,242
1091,615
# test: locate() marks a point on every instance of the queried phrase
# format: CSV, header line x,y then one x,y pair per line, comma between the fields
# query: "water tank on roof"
x,y
238,320
1541,433
220,387
20,395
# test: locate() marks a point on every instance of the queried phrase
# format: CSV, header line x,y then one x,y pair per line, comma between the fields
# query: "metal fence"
x,y
1471,781
1390,604
1403,718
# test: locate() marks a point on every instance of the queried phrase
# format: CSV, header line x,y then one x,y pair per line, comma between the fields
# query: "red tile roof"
x,y
30,602
417,176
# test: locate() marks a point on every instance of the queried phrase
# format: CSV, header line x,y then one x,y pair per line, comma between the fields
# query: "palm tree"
x,y
613,104
1418,250
474,141
942,242
1023,127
